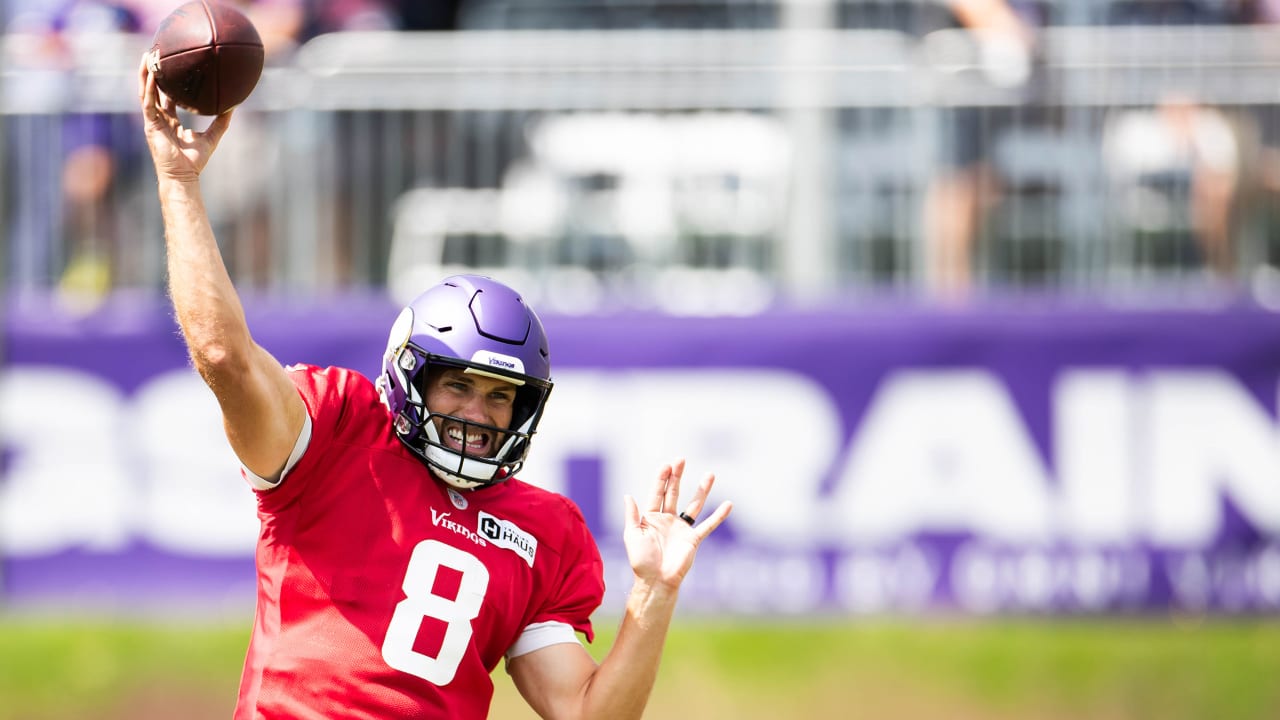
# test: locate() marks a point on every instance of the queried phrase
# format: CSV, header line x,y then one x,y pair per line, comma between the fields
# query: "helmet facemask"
x,y
420,428
510,444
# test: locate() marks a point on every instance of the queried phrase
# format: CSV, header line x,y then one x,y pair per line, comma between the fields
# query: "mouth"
x,y
476,442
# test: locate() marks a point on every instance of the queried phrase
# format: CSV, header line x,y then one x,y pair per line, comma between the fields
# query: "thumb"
x,y
218,127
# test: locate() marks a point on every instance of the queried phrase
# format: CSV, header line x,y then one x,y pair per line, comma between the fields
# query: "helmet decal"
x,y
502,362
400,332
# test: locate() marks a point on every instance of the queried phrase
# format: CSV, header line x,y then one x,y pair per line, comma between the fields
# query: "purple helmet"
x,y
481,326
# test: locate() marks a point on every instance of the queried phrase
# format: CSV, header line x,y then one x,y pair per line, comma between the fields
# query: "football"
x,y
207,56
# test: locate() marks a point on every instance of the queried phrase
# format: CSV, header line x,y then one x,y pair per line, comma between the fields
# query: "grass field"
x,y
1098,669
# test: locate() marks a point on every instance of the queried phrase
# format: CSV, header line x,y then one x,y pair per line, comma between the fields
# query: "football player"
x,y
399,559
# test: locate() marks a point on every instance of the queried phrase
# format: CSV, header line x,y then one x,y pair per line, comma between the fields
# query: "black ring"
x,y
685,517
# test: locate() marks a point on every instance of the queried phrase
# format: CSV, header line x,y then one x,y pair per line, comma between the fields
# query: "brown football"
x,y
207,56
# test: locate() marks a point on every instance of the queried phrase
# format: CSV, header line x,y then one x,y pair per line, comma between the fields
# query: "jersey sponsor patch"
x,y
505,534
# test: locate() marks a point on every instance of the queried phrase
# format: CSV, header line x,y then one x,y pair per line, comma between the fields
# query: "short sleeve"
x,y
580,587
257,482
328,394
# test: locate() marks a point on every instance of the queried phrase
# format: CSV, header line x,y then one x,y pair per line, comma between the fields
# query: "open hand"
x,y
660,543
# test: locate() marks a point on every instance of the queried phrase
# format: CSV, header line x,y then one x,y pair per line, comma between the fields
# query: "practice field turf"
x,y
902,669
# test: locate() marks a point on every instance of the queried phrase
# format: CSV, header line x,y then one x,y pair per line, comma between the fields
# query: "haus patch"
x,y
505,534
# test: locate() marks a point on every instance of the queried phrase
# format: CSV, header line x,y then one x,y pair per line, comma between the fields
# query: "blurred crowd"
x,y
1179,142
283,24
1219,164
95,171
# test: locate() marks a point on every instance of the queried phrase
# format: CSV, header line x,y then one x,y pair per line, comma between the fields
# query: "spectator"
x,y
962,191
1180,152
75,166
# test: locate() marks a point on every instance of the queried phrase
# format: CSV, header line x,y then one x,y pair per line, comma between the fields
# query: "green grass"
x,y
1130,669
77,668
57,668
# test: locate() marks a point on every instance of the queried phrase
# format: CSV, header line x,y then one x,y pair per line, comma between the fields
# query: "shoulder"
x,y
552,516
338,379
348,425
568,570
335,397
542,498
332,385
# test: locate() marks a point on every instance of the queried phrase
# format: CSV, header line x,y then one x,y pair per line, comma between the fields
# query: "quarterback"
x,y
399,558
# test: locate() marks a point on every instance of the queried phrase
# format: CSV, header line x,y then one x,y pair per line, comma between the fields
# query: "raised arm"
x,y
563,681
262,412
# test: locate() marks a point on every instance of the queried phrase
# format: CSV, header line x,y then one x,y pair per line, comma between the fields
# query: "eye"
x,y
502,396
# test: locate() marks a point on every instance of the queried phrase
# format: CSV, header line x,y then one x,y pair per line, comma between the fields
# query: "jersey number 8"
x,y
419,579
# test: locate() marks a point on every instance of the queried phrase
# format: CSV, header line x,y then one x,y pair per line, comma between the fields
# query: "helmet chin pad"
x,y
460,469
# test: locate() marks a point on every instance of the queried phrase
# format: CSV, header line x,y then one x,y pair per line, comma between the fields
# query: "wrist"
x,y
650,606
176,193
650,592
171,184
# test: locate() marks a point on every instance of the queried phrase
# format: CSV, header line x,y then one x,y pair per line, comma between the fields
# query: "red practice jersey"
x,y
383,592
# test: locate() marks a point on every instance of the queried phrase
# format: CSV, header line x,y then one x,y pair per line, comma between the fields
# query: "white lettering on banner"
x,y
899,580
770,434
1096,432
191,501
1209,439
987,579
1150,456
1137,457
1234,583
937,450
943,450
790,584
93,470
67,483
735,579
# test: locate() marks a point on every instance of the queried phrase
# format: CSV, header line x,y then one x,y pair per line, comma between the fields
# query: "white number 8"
x,y
419,579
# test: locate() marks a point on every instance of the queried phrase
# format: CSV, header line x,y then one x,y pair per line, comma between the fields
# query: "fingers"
x,y
147,88
157,107
665,498
166,103
633,511
699,498
666,490
707,526
671,500
216,129
659,490
142,80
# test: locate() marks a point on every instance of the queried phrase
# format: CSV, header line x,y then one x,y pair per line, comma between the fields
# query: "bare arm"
x,y
563,681
1006,43
262,412
989,15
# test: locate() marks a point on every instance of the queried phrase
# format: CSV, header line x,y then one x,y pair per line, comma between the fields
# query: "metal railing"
x,y
691,171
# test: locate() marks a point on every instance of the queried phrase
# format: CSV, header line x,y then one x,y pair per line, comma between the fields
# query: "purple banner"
x,y
899,460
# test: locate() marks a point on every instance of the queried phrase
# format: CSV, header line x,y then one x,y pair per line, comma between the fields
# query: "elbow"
x,y
220,361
